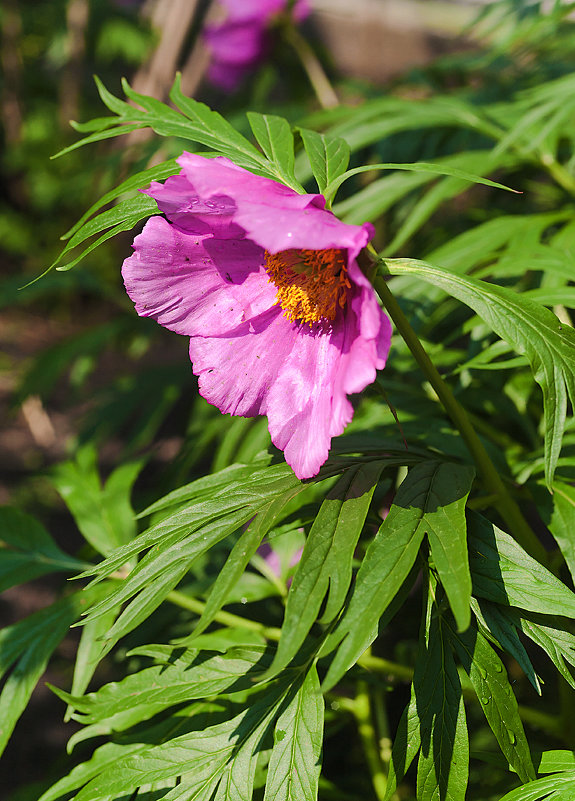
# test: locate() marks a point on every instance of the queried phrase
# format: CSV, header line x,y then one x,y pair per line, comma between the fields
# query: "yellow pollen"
x,y
311,284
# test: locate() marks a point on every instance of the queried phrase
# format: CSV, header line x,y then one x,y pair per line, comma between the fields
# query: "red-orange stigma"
x,y
311,284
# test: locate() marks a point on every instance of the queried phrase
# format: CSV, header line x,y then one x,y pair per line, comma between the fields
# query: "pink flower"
x,y
265,282
239,43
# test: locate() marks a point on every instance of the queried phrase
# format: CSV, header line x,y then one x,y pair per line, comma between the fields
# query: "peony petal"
x,y
193,284
273,215
299,377
252,9
177,199
236,371
203,275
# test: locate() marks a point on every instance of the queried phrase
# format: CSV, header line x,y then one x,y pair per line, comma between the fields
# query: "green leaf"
x,y
200,757
328,156
240,556
531,329
140,696
558,644
539,789
156,575
435,169
556,761
244,496
496,697
295,762
127,211
205,486
443,765
476,162
103,514
137,181
427,500
216,131
30,644
405,746
28,551
503,573
496,625
447,534
275,137
325,564
102,757
110,133
562,522
90,652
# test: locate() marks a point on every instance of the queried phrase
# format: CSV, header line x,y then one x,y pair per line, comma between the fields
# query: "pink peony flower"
x,y
239,43
265,282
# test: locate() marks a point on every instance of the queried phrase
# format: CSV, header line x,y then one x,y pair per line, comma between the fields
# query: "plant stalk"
x,y
367,661
321,85
503,502
369,740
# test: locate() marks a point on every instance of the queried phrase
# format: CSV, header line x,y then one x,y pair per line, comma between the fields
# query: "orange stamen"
x,y
311,284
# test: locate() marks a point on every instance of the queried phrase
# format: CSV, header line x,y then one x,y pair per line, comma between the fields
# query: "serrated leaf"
x,y
504,573
328,156
443,765
295,762
275,137
420,505
325,564
531,329
27,551
495,695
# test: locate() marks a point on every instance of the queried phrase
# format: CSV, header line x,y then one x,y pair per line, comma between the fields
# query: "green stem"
x,y
373,664
558,172
504,503
225,618
369,740
541,720
322,87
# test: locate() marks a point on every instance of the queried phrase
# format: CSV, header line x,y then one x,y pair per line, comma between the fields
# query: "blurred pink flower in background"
x,y
242,40
265,282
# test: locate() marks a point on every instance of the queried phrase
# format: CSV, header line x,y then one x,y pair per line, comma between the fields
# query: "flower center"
x,y
311,284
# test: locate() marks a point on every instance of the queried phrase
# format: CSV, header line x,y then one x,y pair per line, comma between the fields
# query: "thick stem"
x,y
492,482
